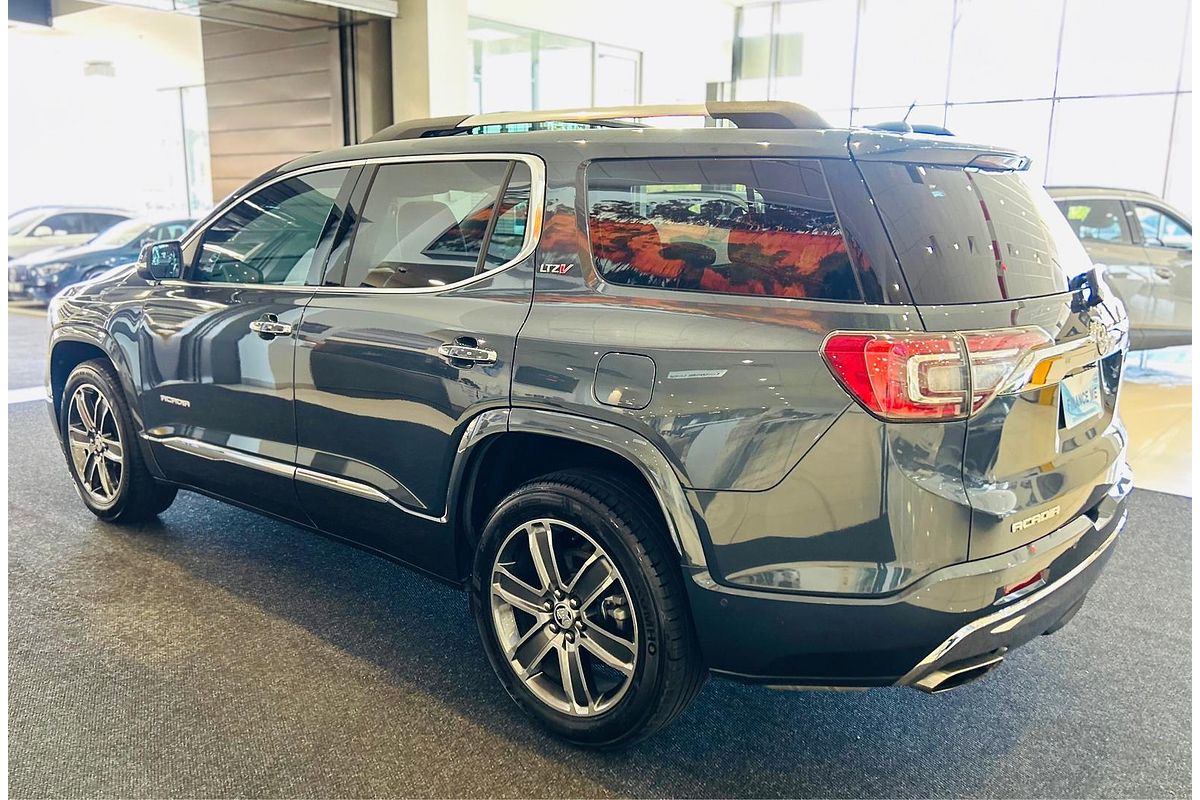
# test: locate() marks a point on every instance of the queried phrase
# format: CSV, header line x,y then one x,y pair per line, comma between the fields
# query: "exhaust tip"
x,y
959,673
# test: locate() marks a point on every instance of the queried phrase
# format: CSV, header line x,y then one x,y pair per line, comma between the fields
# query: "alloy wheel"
x,y
95,444
564,617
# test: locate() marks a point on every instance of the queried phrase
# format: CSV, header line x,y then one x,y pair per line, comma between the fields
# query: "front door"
x,y
411,337
217,348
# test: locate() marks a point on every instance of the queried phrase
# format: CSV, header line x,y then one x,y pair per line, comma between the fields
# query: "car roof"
x,y
1096,192
653,142
1101,191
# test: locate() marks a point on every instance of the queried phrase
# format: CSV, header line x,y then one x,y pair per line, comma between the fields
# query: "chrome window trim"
x,y
533,220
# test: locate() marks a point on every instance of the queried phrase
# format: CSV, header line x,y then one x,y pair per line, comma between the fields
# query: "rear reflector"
x,y
1023,587
928,376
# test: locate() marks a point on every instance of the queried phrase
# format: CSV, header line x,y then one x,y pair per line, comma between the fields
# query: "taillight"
x,y
929,376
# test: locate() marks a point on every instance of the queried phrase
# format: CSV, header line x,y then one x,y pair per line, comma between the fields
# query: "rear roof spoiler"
x,y
870,145
772,115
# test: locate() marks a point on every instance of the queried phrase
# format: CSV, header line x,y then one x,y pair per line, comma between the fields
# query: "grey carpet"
x,y
222,654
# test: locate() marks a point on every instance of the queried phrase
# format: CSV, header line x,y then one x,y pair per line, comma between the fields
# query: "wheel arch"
x,y
69,349
562,441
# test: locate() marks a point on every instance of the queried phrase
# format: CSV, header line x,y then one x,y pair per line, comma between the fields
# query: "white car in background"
x,y
1145,246
46,227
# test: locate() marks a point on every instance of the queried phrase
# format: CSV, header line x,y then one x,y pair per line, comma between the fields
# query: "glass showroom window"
x,y
519,69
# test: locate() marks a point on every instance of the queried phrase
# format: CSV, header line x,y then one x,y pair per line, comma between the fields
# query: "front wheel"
x,y
102,454
581,608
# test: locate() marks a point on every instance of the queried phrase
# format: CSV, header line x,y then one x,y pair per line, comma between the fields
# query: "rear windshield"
x,y
763,227
972,236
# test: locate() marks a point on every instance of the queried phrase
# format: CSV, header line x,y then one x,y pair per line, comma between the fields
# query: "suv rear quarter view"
x,y
790,404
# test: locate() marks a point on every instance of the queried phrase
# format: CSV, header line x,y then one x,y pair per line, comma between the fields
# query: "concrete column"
x,y
429,59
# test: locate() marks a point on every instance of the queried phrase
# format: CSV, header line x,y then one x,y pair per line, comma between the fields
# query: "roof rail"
x,y
771,114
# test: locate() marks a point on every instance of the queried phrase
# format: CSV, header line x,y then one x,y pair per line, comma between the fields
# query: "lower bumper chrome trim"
x,y
1009,612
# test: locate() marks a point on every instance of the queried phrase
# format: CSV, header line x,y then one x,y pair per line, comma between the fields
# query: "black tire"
x,y
138,496
668,670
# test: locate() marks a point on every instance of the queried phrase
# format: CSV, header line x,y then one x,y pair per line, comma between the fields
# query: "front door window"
x,y
270,237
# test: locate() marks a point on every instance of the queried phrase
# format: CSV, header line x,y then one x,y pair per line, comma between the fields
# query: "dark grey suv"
x,y
789,404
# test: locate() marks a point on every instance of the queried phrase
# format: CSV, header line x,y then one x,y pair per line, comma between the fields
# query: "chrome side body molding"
x,y
653,465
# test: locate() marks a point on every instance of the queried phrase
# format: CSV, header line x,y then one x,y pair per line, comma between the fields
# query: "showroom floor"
x,y
218,653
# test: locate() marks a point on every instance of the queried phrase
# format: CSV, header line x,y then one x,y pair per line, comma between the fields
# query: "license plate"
x,y
15,288
1080,397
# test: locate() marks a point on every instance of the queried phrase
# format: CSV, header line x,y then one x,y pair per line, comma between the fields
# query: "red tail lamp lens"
x,y
928,376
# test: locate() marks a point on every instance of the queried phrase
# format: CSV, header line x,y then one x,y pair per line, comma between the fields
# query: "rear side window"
x,y
974,236
1097,220
428,224
762,227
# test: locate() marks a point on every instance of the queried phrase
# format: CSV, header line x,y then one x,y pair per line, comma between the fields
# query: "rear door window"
x,y
763,227
1098,220
971,236
1160,229
435,223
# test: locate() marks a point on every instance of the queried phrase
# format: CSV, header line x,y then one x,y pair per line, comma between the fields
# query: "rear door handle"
x,y
1164,273
268,326
467,350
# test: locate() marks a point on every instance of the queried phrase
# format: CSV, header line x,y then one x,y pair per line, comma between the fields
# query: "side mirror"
x,y
160,261
43,230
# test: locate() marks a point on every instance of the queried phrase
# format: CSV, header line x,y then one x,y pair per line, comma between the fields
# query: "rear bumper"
x,y
952,619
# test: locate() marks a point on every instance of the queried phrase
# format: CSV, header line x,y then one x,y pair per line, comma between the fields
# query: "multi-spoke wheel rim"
x,y
563,617
95,443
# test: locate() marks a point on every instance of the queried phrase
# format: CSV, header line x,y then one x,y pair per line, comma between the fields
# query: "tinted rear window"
x,y
762,227
970,236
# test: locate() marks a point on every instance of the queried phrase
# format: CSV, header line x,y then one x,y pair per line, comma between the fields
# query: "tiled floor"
x,y
1156,404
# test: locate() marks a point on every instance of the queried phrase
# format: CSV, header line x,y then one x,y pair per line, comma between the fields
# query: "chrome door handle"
x,y
459,351
1164,273
268,326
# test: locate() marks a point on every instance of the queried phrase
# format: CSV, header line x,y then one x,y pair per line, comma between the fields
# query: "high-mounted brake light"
x,y
928,376
996,161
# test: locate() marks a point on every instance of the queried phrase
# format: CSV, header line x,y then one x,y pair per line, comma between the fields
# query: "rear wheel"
x,y
102,454
581,609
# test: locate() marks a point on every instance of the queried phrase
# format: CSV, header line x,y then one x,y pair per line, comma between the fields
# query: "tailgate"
x,y
1034,459
986,250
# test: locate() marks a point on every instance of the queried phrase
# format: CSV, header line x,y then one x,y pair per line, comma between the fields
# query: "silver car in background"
x,y
1145,246
45,228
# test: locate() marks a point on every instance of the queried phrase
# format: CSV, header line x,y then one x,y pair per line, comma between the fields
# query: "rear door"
x,y
1167,253
984,249
411,337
